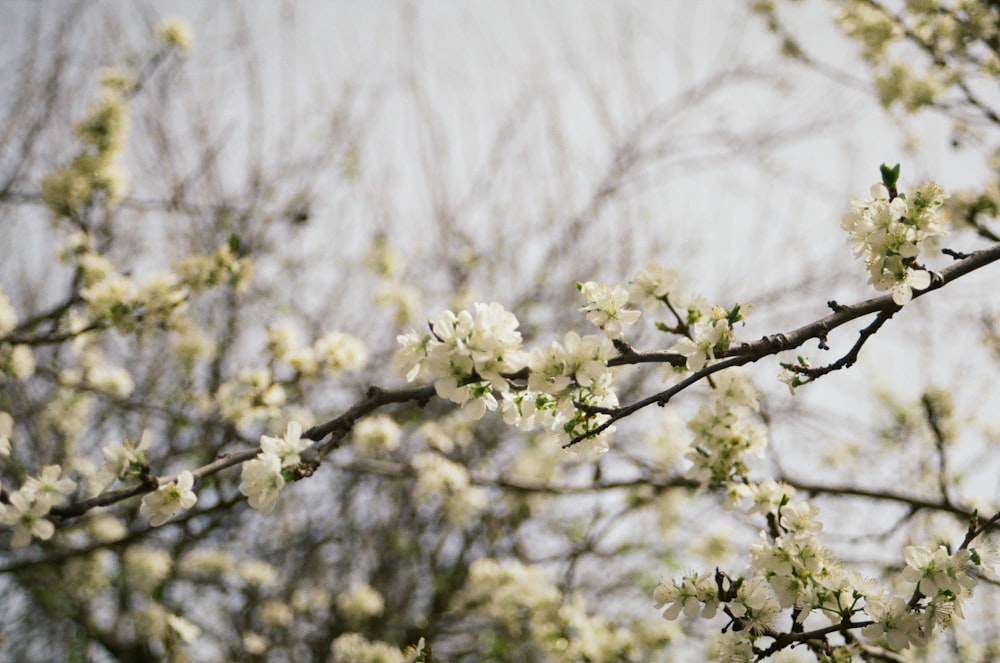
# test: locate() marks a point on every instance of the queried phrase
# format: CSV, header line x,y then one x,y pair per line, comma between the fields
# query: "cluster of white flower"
x,y
264,476
795,566
724,431
694,594
94,172
888,233
570,391
710,330
124,460
790,569
606,307
28,506
705,330
561,377
942,578
466,355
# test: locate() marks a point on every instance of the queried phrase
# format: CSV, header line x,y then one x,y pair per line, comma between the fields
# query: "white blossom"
x,y
889,235
467,355
47,489
695,594
262,481
606,307
895,622
27,517
287,448
167,500
937,571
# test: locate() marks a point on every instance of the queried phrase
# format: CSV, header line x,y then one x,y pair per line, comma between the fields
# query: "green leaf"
x,y
235,245
889,175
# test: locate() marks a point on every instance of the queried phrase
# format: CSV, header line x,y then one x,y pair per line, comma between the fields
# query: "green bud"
x,y
890,176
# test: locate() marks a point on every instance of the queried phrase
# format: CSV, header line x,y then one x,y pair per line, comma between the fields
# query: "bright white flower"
x,y
889,234
262,481
475,397
161,504
467,355
27,517
902,291
287,448
695,594
768,495
47,489
754,605
651,285
800,519
700,348
606,307
937,571
895,623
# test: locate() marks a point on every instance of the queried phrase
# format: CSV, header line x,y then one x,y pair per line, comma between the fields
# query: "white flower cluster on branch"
x,y
791,570
888,230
